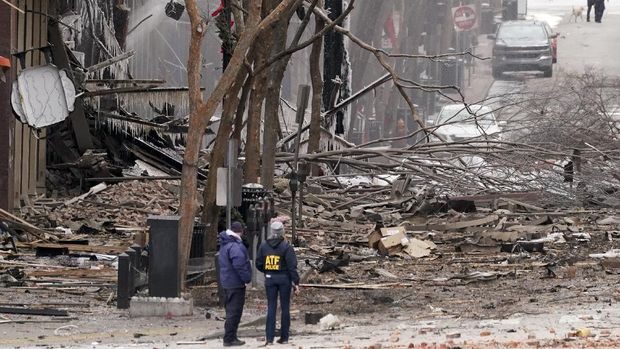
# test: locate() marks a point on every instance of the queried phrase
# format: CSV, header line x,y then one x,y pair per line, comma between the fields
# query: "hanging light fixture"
x,y
174,9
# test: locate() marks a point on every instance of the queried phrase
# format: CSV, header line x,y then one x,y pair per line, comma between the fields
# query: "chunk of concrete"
x,y
160,306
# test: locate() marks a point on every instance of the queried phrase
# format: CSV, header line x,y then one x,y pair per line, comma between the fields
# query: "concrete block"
x,y
160,306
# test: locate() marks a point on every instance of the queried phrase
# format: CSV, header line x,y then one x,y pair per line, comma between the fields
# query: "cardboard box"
x,y
392,244
393,231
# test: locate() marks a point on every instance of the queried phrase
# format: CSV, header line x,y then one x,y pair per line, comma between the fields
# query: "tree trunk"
x,y
255,111
210,213
272,105
247,87
314,133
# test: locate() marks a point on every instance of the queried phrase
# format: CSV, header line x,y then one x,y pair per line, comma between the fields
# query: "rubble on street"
x,y
508,256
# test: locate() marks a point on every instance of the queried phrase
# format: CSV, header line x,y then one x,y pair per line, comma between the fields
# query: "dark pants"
x,y
590,5
599,8
235,300
274,285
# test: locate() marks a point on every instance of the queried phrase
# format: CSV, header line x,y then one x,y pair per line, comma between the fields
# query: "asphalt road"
x,y
585,46
582,46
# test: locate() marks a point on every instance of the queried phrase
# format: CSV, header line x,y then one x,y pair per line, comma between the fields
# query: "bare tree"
x,y
255,62
201,111
272,101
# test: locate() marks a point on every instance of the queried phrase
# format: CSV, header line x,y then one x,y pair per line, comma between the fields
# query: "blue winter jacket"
x,y
235,269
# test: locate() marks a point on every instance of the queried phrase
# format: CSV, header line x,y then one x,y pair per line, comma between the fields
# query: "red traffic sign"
x,y
464,17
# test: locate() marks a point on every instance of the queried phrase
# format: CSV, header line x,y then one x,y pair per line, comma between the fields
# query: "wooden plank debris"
x,y
93,190
419,248
29,228
109,62
359,286
32,311
491,219
99,274
77,248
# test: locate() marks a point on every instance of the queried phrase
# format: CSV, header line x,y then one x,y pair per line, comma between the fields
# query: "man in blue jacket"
x,y
235,273
590,6
276,258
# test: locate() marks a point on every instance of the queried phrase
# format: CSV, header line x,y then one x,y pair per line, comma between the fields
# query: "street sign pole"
x,y
232,163
457,58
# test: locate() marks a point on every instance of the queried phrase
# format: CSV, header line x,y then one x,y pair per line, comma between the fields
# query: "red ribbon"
x,y
219,9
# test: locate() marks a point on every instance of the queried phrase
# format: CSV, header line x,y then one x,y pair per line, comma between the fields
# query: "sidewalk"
x,y
477,85
593,325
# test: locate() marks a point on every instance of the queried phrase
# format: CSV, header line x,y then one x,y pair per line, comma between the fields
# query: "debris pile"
x,y
122,206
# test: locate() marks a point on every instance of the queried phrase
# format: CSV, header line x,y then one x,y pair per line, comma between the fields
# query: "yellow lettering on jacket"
x,y
272,262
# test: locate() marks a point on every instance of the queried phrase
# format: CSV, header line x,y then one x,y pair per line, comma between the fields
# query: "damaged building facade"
x,y
76,51
125,61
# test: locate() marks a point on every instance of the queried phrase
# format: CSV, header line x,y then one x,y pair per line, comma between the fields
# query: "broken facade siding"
x,y
23,155
6,117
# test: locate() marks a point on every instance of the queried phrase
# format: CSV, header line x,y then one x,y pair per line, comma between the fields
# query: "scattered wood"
x,y
111,61
114,250
419,248
82,274
465,224
38,233
523,204
359,286
385,273
34,265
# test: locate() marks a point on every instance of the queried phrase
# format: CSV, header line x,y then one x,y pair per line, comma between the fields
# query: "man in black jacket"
x,y
599,8
590,5
276,258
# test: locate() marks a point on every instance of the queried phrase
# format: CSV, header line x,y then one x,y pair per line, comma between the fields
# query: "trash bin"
x,y
251,194
197,263
198,245
449,70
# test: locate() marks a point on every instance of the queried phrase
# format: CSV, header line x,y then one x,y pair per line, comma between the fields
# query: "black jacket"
x,y
276,256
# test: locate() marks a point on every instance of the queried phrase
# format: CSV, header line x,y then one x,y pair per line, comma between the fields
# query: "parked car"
x,y
456,123
553,36
522,46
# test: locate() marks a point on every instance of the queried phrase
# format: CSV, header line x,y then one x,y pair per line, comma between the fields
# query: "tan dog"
x,y
577,12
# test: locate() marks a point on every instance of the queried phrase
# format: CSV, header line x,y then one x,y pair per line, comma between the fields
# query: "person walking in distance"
x,y
276,258
599,8
235,273
590,6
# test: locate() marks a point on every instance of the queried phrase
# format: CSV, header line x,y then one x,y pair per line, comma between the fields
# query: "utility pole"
x,y
302,103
